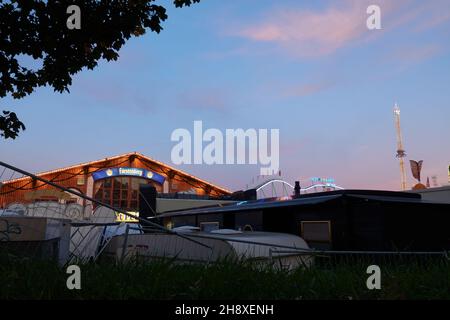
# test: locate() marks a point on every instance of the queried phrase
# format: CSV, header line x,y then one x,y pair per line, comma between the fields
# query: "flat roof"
x,y
310,199
250,205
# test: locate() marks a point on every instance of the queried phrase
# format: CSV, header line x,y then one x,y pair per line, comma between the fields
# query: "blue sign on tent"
x,y
128,172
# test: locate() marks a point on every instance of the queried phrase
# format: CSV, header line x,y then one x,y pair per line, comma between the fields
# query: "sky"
x,y
311,69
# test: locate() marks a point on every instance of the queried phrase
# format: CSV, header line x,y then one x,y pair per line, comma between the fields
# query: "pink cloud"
x,y
312,33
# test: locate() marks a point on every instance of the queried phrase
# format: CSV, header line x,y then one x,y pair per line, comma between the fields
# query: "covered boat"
x,y
188,244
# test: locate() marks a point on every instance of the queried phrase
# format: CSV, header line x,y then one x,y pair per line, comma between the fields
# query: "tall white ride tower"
x,y
401,154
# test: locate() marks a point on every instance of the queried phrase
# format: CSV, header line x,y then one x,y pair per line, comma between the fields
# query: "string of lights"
x,y
54,179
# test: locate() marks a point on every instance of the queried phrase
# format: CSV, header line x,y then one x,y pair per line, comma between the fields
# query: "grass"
x,y
24,278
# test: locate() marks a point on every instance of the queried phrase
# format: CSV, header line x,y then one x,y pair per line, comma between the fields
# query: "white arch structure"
x,y
273,181
266,183
320,185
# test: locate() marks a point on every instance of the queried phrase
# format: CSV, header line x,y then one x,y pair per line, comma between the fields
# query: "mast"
x,y
401,154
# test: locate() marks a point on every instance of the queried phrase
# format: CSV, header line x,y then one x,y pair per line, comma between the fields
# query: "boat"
x,y
187,244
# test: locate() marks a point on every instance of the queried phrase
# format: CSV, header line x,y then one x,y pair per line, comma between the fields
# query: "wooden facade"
x,y
79,177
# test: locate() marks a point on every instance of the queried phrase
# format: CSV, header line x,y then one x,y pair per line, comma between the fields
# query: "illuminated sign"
x,y
120,217
323,180
129,172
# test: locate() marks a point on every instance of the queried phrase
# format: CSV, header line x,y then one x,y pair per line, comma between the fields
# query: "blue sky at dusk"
x,y
309,68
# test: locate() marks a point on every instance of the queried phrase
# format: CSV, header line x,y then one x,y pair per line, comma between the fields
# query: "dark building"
x,y
337,220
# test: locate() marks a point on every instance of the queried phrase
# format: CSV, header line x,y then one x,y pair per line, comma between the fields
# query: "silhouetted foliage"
x,y
37,29
10,125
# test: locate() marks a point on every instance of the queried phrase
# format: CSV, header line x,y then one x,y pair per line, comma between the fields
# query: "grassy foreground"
x,y
22,278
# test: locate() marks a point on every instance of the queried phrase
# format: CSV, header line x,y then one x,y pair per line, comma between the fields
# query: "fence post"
x,y
125,243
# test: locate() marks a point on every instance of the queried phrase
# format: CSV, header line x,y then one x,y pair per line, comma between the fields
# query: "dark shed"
x,y
337,220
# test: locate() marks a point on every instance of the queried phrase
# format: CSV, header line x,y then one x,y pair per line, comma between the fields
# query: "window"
x,y
120,192
316,233
80,181
209,226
